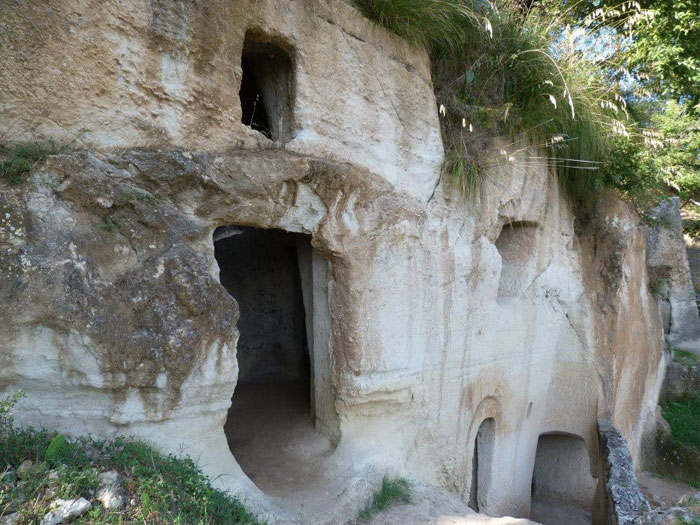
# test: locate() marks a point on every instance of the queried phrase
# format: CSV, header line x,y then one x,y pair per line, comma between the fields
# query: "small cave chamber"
x,y
282,421
563,488
267,87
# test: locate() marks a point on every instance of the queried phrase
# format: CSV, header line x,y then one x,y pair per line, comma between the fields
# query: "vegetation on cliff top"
x,y
553,73
37,468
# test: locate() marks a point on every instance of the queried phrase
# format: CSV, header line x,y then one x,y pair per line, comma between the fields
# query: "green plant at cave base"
x,y
683,415
499,71
392,491
694,520
159,488
658,285
6,405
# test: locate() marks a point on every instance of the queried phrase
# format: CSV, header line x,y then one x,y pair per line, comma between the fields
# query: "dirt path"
x,y
663,492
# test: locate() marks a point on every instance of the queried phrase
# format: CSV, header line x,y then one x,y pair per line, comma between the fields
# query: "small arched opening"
x,y
482,462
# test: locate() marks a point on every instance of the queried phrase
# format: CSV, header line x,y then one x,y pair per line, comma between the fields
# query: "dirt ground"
x,y
663,492
431,506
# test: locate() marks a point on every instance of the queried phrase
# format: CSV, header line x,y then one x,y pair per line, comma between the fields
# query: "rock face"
x,y
671,277
426,313
681,379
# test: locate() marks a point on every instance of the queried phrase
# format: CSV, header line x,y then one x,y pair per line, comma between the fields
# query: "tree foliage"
x,y
661,48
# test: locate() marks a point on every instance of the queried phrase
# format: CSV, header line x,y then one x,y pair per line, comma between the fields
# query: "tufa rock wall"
x,y
437,312
672,282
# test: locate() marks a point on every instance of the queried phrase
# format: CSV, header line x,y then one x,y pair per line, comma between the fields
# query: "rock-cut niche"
x,y
267,87
517,245
563,489
282,413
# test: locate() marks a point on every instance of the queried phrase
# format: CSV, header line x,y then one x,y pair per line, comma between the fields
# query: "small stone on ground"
x,y
110,493
66,510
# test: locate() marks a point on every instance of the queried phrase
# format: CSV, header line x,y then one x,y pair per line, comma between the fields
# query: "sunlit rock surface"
x,y
426,312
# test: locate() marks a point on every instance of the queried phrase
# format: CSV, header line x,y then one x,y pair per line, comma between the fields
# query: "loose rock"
x,y
666,516
110,493
66,510
24,467
9,519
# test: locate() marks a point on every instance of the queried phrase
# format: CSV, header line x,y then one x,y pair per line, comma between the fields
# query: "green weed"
x,y
19,159
685,357
658,285
392,491
144,196
109,225
695,520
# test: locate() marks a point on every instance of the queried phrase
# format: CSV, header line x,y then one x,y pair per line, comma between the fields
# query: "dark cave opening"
x,y
269,274
482,460
266,90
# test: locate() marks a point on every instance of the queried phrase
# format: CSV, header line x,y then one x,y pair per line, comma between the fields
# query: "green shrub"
x,y
683,415
681,452
160,489
685,357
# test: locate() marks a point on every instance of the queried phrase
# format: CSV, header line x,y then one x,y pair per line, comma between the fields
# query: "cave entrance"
x,y
563,488
482,460
280,424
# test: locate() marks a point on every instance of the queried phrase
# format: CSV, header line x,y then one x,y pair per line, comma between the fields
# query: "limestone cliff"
x,y
427,313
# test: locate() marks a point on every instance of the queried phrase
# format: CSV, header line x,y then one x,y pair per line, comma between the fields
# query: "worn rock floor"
x,y
432,506
270,432
555,513
272,436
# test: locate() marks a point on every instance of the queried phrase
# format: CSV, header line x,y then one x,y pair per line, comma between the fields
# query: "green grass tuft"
x,y
109,225
685,357
18,160
392,491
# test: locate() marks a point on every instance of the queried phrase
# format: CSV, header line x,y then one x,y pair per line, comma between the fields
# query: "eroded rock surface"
x,y
427,313
671,278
